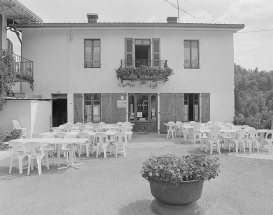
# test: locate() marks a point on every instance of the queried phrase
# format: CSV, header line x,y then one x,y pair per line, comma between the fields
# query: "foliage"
x,y
149,71
2,137
8,74
173,169
12,135
253,97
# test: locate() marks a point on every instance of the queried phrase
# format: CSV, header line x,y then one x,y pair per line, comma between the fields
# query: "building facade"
x,y
86,67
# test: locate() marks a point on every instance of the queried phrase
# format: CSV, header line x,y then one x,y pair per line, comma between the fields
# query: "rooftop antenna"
x,y
178,9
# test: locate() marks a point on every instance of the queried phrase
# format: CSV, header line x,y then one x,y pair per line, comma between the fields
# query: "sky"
x,y
253,46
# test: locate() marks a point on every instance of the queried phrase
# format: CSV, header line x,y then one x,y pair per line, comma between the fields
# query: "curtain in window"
x,y
187,54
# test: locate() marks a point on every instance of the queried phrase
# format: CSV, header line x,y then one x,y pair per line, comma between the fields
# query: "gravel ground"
x,y
115,186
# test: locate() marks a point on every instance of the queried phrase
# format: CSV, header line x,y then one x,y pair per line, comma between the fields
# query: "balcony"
x,y
21,67
154,70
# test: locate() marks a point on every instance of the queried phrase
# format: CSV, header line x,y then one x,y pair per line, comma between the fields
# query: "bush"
x,y
12,135
172,169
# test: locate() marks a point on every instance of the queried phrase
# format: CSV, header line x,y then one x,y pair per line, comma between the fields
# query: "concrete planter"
x,y
172,200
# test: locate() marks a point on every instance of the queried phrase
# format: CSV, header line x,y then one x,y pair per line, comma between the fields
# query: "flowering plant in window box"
x,y
144,72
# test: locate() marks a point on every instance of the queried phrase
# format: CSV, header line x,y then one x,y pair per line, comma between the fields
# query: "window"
x,y
92,53
191,54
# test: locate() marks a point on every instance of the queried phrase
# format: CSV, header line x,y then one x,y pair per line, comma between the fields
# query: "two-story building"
x,y
119,71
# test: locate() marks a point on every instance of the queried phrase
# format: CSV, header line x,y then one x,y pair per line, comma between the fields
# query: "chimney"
x,y
92,17
171,20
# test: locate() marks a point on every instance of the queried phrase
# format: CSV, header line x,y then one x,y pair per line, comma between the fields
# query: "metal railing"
x,y
144,62
20,65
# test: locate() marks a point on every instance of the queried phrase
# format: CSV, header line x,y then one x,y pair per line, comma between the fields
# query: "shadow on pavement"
x,y
137,208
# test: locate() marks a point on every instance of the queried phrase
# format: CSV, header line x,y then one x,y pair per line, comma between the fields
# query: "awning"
x,y
18,13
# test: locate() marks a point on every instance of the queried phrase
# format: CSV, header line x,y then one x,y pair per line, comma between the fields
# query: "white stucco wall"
x,y
58,56
31,114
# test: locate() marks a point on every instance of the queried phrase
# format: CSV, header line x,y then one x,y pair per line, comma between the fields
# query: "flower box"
x,y
129,77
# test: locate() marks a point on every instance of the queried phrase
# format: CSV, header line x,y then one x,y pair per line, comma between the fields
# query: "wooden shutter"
x,y
106,115
167,110
179,107
78,107
156,52
96,53
129,52
118,114
205,107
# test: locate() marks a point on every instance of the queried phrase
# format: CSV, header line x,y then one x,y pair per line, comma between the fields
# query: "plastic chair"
x,y
49,149
67,128
178,128
78,123
87,144
120,142
215,127
252,140
203,136
238,140
64,148
196,134
101,141
16,125
35,152
213,137
226,136
268,140
171,130
17,151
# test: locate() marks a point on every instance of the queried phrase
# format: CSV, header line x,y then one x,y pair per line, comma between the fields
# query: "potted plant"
x,y
178,181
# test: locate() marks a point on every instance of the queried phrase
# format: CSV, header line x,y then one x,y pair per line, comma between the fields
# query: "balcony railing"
x,y
144,62
22,67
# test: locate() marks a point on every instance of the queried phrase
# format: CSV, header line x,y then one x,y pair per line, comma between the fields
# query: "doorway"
x,y
142,52
59,109
143,112
191,104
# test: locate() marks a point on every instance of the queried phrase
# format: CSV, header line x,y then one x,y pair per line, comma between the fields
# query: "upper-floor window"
x,y
191,54
92,53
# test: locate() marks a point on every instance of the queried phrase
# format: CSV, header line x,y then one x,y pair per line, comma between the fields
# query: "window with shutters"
x,y
92,53
142,52
191,54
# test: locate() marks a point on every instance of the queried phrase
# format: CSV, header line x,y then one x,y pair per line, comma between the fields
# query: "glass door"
x,y
142,108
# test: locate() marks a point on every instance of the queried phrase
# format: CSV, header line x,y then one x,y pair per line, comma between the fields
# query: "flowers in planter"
x,y
27,78
144,71
172,169
12,135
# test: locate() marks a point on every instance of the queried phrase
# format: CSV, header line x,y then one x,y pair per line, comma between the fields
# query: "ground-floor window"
x,y
87,107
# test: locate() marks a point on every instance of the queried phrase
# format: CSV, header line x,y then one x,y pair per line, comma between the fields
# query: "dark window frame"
x,y
191,66
85,63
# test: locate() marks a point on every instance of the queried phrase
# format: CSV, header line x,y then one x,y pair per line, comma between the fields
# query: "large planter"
x,y
185,193
176,200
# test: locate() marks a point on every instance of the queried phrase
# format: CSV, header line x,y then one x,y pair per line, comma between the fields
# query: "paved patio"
x,y
115,186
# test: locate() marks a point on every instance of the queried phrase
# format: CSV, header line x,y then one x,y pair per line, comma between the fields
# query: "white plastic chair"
x,y
171,130
203,136
49,149
238,140
101,141
252,140
268,140
196,134
17,151
87,144
120,142
35,151
64,148
78,123
213,137
16,125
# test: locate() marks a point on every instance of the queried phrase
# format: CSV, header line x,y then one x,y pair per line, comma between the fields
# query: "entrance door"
x,y
59,109
143,112
191,107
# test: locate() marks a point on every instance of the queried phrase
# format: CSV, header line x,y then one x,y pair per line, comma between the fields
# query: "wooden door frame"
x,y
149,109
